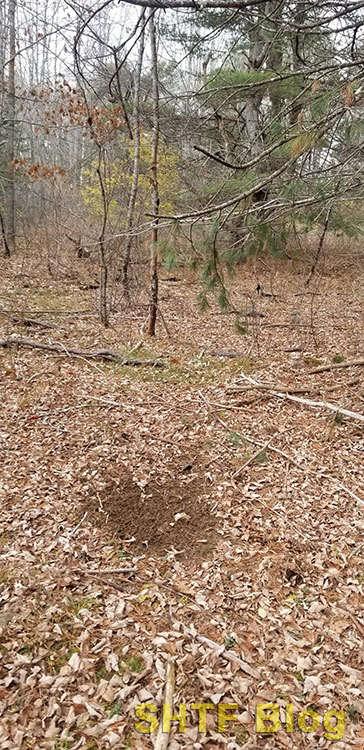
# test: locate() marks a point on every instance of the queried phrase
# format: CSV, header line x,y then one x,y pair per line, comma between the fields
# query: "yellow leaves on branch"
x,y
117,171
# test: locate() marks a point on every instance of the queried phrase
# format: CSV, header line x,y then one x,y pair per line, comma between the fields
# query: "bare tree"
x,y
153,300
136,161
10,141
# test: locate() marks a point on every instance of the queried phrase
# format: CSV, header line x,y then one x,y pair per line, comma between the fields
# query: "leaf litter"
x,y
268,566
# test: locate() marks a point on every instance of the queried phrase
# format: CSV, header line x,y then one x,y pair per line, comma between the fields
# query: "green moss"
x,y
337,359
313,361
134,662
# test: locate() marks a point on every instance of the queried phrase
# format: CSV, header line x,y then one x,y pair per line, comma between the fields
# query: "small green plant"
x,y
26,649
235,439
337,359
299,677
134,662
101,671
115,709
241,734
62,744
240,328
76,605
353,714
262,457
230,641
313,361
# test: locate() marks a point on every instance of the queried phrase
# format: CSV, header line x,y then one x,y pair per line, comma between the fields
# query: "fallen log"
x,y
105,354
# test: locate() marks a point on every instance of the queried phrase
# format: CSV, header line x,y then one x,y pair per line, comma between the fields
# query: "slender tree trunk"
x,y
104,270
153,301
135,180
10,146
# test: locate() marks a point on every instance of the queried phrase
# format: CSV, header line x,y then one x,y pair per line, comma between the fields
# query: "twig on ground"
x,y
304,401
27,321
106,571
257,442
337,366
137,346
284,518
317,474
109,583
230,656
73,532
104,354
106,402
127,690
269,387
164,323
162,738
251,459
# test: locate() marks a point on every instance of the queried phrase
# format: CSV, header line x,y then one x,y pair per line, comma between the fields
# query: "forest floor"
x,y
106,467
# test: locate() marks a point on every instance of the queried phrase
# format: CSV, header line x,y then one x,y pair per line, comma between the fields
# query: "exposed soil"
x,y
160,517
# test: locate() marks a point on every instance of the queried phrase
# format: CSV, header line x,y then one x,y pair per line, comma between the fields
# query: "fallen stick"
x,y
162,738
225,353
306,402
244,666
251,459
128,689
324,405
104,354
27,321
269,387
106,571
337,366
324,474
51,312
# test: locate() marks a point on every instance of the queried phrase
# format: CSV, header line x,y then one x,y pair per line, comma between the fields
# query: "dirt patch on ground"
x,y
161,517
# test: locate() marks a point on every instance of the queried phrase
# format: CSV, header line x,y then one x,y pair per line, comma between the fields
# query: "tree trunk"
x,y
135,179
10,145
153,300
104,270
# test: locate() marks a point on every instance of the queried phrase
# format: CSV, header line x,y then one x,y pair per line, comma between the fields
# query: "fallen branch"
x,y
104,354
230,656
162,738
251,459
306,402
106,571
270,387
323,405
302,467
27,321
221,353
337,366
